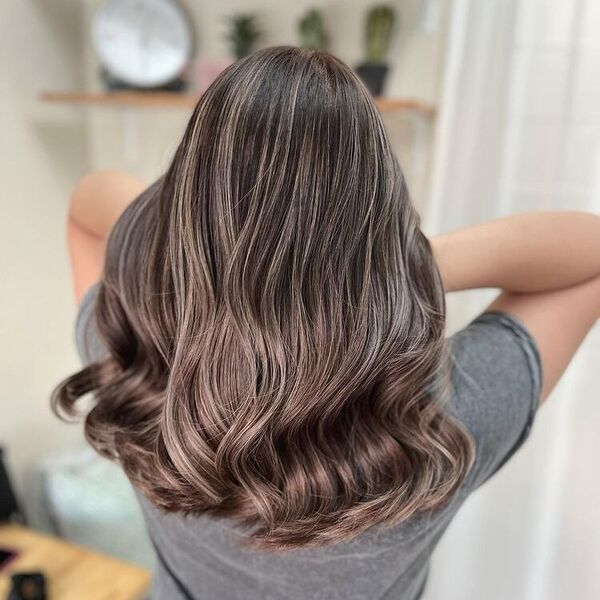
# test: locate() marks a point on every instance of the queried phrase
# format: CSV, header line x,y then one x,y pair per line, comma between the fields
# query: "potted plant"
x,y
378,33
243,35
312,31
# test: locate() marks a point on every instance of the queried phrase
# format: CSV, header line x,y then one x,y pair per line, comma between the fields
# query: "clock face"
x,y
145,43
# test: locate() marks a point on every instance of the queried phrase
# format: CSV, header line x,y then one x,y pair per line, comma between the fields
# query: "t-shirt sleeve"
x,y
497,380
87,341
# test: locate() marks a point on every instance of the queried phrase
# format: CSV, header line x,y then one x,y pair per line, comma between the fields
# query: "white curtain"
x,y
518,130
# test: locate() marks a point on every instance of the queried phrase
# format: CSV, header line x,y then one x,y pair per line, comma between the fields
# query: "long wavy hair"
x,y
274,319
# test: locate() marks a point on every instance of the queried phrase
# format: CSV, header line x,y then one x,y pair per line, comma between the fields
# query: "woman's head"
x,y
275,320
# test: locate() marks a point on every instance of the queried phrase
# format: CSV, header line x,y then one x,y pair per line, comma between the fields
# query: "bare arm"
x,y
96,203
558,320
530,252
548,266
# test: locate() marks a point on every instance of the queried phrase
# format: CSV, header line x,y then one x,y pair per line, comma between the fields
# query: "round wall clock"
x,y
142,43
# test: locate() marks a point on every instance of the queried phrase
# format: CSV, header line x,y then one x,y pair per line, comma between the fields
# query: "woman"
x,y
264,340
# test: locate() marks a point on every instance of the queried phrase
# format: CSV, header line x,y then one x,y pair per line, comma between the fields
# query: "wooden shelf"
x,y
184,100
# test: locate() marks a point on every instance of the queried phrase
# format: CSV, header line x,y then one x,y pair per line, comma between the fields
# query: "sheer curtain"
x,y
519,130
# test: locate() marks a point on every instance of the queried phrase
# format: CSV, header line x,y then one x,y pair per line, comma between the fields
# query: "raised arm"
x,y
548,268
96,203
530,252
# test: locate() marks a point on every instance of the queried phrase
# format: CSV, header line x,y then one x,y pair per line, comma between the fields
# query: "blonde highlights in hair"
x,y
274,319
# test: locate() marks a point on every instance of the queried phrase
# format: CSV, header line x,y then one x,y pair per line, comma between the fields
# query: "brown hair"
x,y
274,319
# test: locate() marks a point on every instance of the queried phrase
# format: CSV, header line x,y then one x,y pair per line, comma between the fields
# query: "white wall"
x,y
42,153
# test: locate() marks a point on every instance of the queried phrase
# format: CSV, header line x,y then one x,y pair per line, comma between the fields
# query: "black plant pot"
x,y
373,76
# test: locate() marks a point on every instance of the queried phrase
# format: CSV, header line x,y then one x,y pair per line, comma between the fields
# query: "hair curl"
x,y
274,319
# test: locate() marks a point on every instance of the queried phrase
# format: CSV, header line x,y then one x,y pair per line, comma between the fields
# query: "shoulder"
x,y
496,381
87,339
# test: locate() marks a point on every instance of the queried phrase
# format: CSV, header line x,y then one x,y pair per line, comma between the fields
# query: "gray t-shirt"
x,y
496,390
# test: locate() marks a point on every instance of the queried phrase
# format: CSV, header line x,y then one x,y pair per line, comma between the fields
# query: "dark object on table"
x,y
9,509
6,557
378,33
28,586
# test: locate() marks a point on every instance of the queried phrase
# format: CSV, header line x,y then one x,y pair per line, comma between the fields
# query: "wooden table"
x,y
72,572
